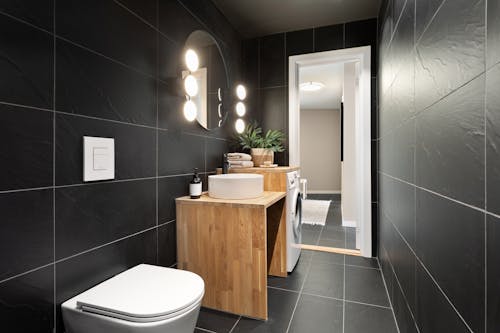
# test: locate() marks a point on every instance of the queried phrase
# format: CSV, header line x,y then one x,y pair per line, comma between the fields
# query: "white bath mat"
x,y
315,211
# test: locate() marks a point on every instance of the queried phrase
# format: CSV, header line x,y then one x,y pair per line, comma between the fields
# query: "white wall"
x,y
348,204
320,150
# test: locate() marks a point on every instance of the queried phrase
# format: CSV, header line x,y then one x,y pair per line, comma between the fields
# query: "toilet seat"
x,y
144,294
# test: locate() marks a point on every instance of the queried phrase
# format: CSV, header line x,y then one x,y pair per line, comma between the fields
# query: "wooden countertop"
x,y
259,169
268,199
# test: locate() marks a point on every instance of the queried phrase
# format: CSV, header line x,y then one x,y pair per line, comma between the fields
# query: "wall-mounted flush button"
x,y
98,158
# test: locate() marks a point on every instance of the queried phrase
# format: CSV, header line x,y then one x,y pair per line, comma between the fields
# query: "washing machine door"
x,y
297,217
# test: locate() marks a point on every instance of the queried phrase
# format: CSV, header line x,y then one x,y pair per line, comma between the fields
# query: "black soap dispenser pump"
x,y
195,186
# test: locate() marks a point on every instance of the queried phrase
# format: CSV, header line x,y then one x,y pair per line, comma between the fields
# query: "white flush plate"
x,y
98,158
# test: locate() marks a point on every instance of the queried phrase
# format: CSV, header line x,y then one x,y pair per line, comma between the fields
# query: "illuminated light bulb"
x,y
239,125
241,92
192,61
240,109
191,86
190,110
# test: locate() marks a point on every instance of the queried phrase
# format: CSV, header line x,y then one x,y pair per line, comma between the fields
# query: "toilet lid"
x,y
144,293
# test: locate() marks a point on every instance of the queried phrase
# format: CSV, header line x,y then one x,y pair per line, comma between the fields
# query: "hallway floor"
x,y
333,234
327,292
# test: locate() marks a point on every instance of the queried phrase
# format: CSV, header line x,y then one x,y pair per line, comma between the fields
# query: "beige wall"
x,y
320,149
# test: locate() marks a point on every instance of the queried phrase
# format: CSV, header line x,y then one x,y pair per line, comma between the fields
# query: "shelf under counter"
x,y
233,245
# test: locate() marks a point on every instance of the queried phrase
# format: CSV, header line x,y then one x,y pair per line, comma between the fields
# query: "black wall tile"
x,y
451,134
167,245
146,9
92,85
493,31
299,42
273,101
39,13
170,188
425,10
402,313
26,216
175,22
404,263
493,265
26,64
170,59
272,60
363,33
102,213
430,302
214,151
458,263
94,24
135,152
180,153
27,302
329,38
451,51
28,162
493,139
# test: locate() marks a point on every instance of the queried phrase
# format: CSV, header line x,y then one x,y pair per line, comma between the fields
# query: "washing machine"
x,y
293,219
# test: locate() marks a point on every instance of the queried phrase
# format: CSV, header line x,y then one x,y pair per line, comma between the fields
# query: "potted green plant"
x,y
262,147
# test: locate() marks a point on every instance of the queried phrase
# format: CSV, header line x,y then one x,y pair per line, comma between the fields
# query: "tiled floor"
x,y
326,292
333,234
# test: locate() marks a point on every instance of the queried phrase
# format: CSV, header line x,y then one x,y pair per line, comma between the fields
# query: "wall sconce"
x,y
190,85
241,93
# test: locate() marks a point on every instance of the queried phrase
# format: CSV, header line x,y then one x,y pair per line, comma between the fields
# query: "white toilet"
x,y
143,299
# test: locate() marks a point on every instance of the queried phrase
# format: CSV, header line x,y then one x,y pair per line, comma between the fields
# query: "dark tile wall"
x,y
265,71
439,174
95,68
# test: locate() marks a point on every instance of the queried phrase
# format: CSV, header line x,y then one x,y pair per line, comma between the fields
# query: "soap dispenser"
x,y
195,186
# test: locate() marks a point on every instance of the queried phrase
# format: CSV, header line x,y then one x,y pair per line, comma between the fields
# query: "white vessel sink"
x,y
236,186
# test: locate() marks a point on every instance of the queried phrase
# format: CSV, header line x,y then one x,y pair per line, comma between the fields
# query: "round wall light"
x,y
241,92
190,110
192,61
190,85
241,109
239,125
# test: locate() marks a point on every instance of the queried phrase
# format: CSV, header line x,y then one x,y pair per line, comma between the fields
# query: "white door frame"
x,y
362,128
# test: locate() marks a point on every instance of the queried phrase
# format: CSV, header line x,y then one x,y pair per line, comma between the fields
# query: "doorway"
x,y
329,138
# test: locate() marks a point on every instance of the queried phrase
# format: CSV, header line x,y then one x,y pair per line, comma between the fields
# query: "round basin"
x,y
236,186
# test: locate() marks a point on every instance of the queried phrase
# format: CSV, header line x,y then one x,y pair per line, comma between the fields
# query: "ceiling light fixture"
x,y
311,86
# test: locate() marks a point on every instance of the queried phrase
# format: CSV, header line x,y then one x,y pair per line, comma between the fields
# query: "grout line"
x,y
25,273
19,20
485,115
174,264
440,195
205,330
235,324
343,300
388,296
300,293
431,276
112,242
100,182
157,133
54,87
27,106
426,27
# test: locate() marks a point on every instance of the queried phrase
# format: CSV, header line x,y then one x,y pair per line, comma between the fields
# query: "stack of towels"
x,y
239,160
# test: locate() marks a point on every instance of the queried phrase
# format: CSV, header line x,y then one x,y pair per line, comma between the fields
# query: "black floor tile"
x,y
325,280
340,243
361,318
361,261
327,257
365,285
281,304
295,279
318,315
310,237
216,321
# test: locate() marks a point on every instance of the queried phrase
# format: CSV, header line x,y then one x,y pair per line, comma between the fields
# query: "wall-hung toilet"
x,y
143,299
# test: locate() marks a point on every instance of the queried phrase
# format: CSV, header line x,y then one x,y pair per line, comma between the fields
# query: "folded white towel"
x,y
239,157
241,164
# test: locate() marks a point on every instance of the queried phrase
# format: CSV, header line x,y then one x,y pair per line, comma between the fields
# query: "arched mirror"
x,y
211,77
